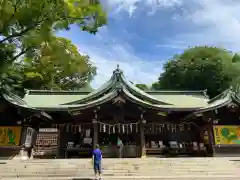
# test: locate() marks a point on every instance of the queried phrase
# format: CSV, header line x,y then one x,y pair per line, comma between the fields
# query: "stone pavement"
x,y
148,168
132,178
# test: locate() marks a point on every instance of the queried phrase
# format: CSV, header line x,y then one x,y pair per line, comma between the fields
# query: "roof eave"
x,y
140,92
103,89
138,101
71,107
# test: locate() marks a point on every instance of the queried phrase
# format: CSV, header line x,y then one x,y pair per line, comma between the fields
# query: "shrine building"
x,y
66,124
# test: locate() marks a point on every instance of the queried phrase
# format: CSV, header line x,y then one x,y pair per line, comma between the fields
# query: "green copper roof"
x,y
17,101
52,98
72,107
117,84
172,107
219,101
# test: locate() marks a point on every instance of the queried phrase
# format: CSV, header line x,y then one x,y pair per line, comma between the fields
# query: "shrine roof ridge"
x,y
56,92
179,92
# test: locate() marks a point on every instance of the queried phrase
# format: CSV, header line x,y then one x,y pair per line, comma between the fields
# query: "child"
x,y
97,159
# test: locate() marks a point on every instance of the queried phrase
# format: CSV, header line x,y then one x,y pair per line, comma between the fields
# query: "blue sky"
x,y
143,34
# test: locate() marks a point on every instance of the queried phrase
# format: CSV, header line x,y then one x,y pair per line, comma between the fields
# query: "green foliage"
x,y
143,87
156,86
26,26
6,55
11,78
57,65
200,68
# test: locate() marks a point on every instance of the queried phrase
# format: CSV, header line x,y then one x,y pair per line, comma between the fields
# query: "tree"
x,y
56,66
156,86
200,68
143,87
25,24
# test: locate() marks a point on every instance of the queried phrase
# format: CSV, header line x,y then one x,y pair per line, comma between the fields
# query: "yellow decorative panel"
x,y
10,136
226,134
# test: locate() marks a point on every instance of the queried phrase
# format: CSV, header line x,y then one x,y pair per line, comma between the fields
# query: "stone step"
x,y
89,164
109,174
129,168
121,164
159,169
83,172
126,160
118,170
131,178
89,174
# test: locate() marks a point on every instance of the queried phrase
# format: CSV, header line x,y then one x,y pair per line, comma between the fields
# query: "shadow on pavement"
x,y
235,160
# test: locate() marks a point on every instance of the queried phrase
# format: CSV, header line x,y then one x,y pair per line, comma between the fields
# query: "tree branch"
x,y
36,24
21,53
20,33
15,10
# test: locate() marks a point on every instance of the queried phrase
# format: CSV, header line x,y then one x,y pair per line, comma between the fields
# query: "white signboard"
x,y
87,140
48,129
29,136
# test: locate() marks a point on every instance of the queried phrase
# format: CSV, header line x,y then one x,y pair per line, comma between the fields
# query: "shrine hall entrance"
x,y
128,133
76,140
173,139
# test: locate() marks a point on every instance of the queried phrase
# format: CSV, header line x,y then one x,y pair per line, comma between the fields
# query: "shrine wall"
x,y
226,132
172,132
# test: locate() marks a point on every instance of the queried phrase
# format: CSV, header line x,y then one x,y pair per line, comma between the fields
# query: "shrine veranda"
x,y
66,124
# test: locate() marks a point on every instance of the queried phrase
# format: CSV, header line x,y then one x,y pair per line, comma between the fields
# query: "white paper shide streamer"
x,y
121,128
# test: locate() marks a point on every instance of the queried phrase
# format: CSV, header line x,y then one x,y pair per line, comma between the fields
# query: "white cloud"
x,y
135,69
216,22
131,5
206,22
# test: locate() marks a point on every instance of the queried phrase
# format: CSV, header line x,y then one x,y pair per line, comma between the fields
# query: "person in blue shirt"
x,y
97,159
120,147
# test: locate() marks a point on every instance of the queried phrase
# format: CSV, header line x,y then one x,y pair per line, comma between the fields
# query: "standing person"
x,y
120,147
97,161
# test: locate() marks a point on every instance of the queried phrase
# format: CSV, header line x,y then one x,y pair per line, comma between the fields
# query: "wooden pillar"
x,y
210,136
142,135
61,140
209,128
95,132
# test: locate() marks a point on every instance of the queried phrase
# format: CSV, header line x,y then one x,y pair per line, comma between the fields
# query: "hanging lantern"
x,y
113,129
104,128
123,128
